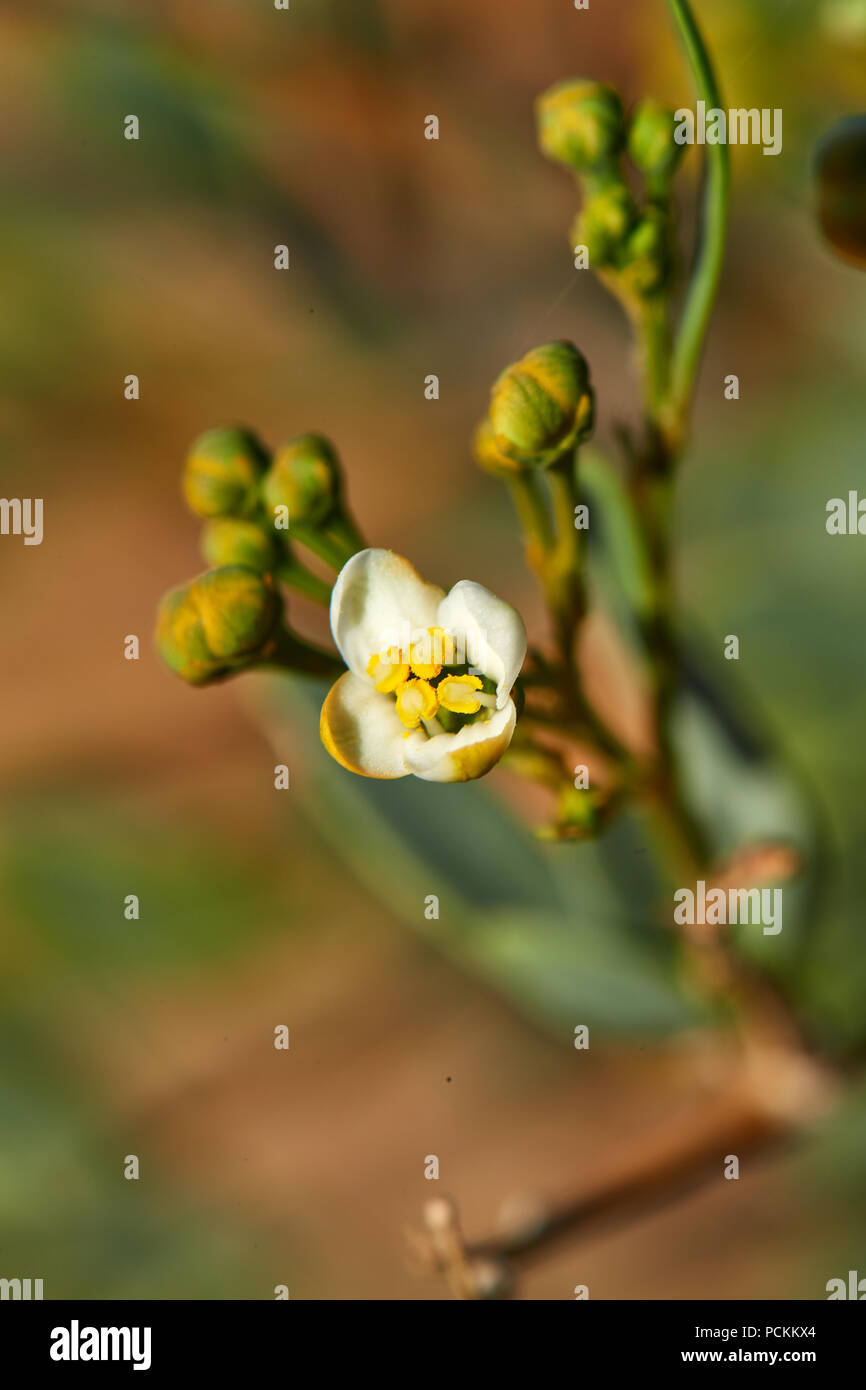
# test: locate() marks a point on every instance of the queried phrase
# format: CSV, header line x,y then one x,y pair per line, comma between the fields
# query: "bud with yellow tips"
x,y
234,541
227,619
223,472
604,223
651,145
581,124
486,454
542,406
305,478
647,257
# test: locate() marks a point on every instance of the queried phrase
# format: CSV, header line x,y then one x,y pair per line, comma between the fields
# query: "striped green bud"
x,y
232,541
305,478
486,454
647,257
651,145
604,223
225,620
542,405
223,472
581,124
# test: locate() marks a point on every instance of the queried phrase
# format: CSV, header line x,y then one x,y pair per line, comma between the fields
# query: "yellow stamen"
x,y
416,700
388,671
435,650
457,694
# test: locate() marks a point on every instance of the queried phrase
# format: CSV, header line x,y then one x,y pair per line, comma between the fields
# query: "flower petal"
x,y
379,599
491,631
360,728
463,756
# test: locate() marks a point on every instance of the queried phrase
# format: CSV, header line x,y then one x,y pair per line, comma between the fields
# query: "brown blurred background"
x,y
408,257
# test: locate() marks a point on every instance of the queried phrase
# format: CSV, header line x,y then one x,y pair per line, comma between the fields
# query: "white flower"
x,y
428,689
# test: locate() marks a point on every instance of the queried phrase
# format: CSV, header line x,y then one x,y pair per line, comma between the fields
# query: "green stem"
x,y
333,552
292,653
713,223
564,576
652,327
297,576
344,531
534,518
680,840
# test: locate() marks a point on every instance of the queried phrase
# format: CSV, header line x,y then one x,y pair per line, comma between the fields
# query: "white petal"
x,y
491,630
465,755
379,600
360,728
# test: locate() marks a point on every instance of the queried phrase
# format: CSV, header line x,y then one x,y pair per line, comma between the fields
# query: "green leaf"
x,y
536,921
562,972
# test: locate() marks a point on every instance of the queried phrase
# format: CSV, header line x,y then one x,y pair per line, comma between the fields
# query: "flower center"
x,y
430,689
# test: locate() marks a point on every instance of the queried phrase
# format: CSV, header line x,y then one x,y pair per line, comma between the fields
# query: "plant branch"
x,y
711,241
297,576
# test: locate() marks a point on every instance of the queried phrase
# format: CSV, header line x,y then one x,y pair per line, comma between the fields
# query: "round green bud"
x,y
580,124
647,257
305,478
604,223
542,405
224,620
222,473
486,454
651,145
230,540
239,610
840,173
180,638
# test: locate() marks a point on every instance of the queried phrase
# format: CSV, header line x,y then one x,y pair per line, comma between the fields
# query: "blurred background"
x,y
409,257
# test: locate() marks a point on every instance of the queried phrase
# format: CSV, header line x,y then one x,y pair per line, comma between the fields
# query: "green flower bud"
x,y
180,638
651,145
305,478
647,257
226,619
840,170
222,473
486,454
580,124
542,405
604,223
239,610
231,541
577,815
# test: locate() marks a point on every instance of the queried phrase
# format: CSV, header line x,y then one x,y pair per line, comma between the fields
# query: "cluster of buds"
x,y
232,617
628,240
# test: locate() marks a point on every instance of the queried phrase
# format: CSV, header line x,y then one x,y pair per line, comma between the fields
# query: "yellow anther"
x,y
388,671
457,694
416,700
431,653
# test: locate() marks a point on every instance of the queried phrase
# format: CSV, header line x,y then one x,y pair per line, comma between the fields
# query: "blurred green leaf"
x,y
554,927
67,869
564,971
